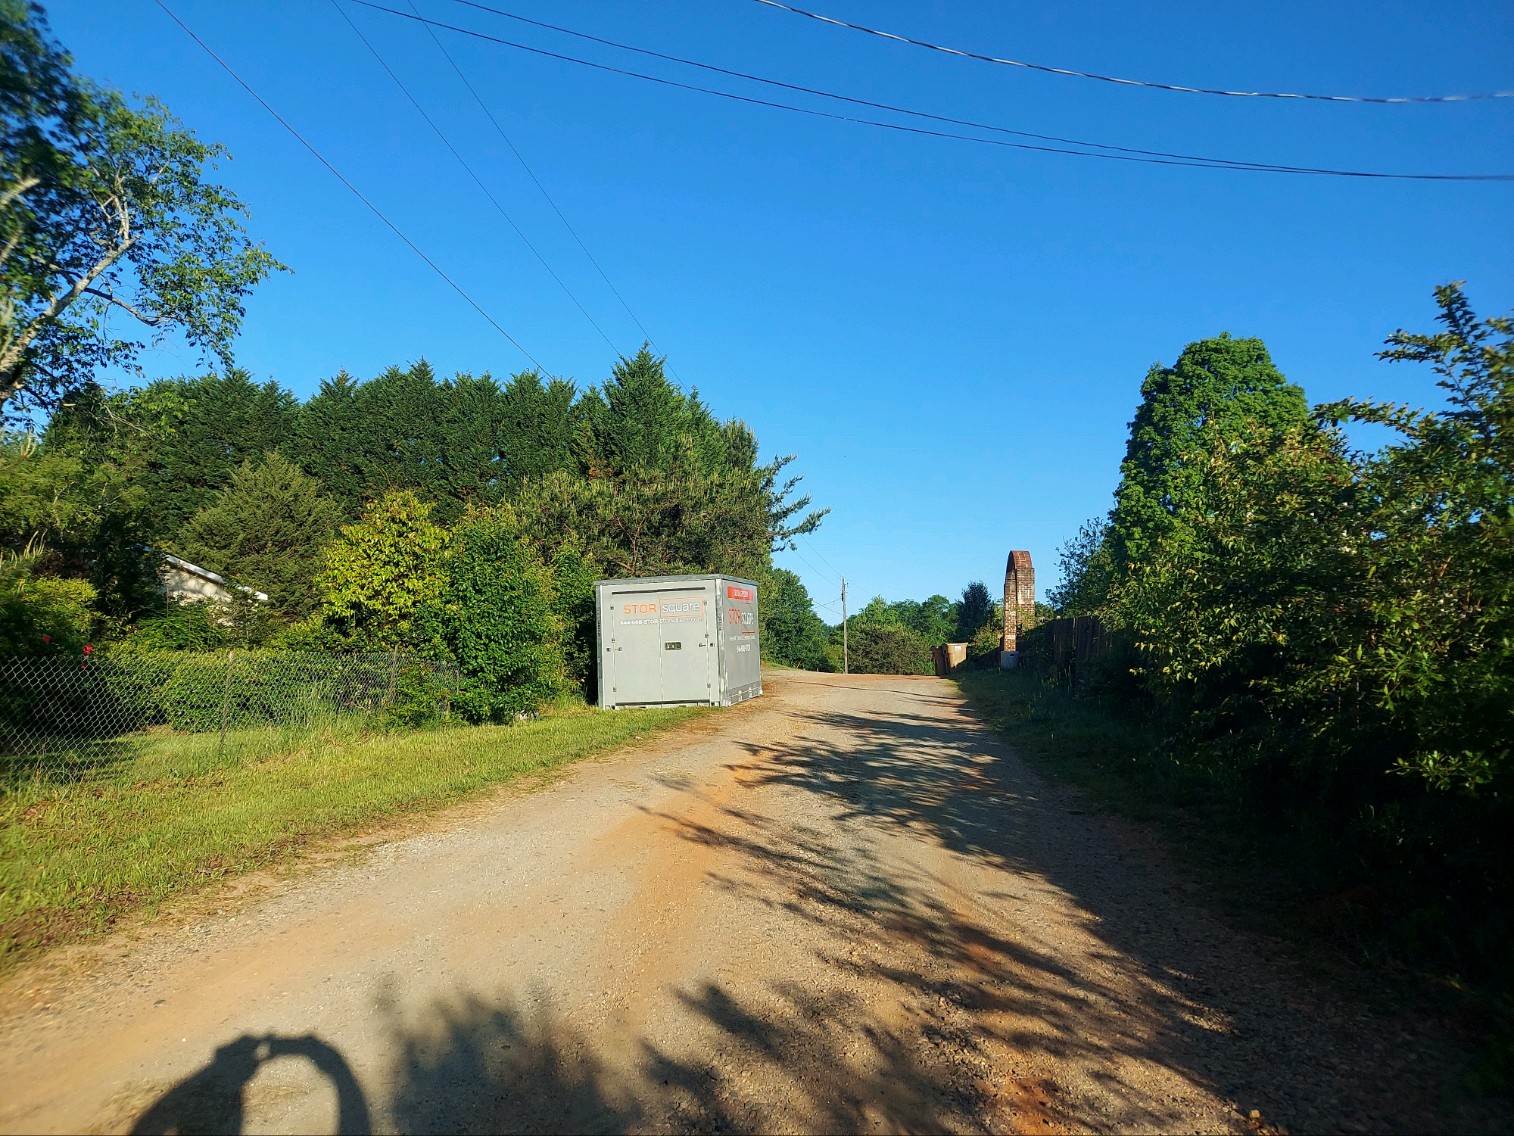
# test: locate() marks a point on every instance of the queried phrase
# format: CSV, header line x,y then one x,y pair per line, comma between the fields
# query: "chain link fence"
x,y
66,719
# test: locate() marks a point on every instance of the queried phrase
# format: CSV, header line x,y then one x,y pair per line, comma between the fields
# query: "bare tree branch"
x,y
150,321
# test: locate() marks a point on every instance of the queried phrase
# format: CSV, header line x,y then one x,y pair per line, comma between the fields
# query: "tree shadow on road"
x,y
1142,976
505,1064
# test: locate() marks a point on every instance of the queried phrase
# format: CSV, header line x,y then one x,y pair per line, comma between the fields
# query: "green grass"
x,y
167,814
1077,740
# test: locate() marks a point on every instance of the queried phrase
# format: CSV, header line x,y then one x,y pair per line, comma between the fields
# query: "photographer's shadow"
x,y
210,1100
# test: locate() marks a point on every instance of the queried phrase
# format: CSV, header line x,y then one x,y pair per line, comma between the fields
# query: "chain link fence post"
x,y
225,705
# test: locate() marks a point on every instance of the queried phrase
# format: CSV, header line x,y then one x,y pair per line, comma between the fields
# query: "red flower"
x,y
88,648
47,638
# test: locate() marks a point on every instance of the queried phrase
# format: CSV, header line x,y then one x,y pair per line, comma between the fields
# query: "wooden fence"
x,y
1064,650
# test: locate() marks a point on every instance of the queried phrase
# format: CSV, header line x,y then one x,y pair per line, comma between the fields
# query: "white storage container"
x,y
677,640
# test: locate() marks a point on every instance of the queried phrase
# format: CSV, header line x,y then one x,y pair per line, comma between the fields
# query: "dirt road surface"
x,y
845,906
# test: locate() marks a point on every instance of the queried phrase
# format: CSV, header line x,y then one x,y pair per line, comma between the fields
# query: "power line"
x,y
1155,157
455,286
820,554
812,568
926,115
477,180
537,181
1129,82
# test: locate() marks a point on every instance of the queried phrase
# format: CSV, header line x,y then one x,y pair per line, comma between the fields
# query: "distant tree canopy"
x,y
792,634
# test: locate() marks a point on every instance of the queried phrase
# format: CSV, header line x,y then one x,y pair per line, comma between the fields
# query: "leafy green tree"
x,y
1218,386
1230,630
877,612
380,571
105,210
84,516
793,635
1086,564
38,504
935,619
267,530
974,611
493,617
1437,535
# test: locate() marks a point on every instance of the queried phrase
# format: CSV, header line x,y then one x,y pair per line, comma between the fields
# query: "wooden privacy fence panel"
x,y
1065,649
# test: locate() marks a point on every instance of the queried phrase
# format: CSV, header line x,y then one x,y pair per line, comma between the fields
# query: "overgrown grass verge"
x,y
1287,879
176,813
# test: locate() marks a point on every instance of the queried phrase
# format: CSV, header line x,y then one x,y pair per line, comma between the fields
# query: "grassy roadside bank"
x,y
76,859
1276,881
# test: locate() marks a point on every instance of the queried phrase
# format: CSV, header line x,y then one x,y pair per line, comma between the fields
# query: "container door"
x,y
637,648
687,648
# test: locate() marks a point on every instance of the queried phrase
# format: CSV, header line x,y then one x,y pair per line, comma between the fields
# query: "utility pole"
x,y
846,662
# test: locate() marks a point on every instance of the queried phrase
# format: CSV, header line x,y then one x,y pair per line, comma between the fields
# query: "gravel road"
x,y
845,906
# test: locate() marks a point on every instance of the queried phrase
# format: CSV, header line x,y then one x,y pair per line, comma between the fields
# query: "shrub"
x,y
183,627
573,607
884,649
493,619
43,615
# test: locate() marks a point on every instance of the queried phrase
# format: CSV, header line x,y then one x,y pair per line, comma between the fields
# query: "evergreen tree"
x,y
266,531
538,425
638,419
326,442
178,441
471,465
399,439
974,612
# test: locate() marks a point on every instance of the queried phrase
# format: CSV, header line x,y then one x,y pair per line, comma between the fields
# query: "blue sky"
x,y
951,337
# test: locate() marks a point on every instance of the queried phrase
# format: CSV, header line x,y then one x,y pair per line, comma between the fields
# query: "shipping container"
x,y
677,640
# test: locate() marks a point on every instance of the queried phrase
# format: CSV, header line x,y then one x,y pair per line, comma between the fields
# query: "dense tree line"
x,y
1328,633
392,512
